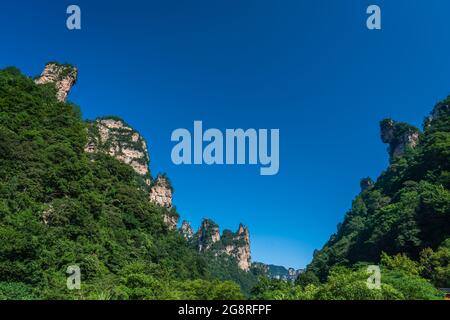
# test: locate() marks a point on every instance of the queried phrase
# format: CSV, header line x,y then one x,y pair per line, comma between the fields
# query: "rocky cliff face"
x,y
161,195
171,220
293,274
186,230
399,136
240,248
276,272
64,76
233,244
114,137
161,192
207,235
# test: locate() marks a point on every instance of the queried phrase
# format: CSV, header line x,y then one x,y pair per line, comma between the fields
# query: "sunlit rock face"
x,y
161,195
233,244
400,136
161,192
207,235
186,230
240,248
64,76
171,220
114,137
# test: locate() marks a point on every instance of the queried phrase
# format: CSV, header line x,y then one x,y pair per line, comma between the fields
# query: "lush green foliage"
x,y
351,284
59,208
224,267
404,215
406,211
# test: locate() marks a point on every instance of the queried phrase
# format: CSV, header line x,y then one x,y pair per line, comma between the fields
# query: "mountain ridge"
x,y
111,135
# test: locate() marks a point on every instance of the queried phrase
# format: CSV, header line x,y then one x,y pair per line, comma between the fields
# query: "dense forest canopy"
x,y
406,211
401,223
58,208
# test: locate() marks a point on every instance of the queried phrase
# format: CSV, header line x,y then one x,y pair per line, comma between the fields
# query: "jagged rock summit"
x,y
64,76
112,136
186,230
233,244
207,235
399,135
239,247
161,192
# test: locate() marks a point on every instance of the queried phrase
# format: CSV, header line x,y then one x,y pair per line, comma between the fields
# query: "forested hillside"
x,y
407,210
401,223
59,207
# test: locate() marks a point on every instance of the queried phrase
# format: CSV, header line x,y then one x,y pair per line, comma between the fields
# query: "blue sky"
x,y
309,68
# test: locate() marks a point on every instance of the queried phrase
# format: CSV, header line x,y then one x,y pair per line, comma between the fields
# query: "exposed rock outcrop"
x,y
293,274
400,136
161,192
114,137
171,220
186,230
260,269
240,248
64,76
276,272
233,244
207,235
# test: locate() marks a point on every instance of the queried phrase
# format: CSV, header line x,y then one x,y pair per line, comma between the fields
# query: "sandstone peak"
x,y
111,135
64,76
186,230
240,249
243,231
161,192
232,244
399,135
170,218
208,234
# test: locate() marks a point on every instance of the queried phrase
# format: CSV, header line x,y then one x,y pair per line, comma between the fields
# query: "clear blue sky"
x,y
309,68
